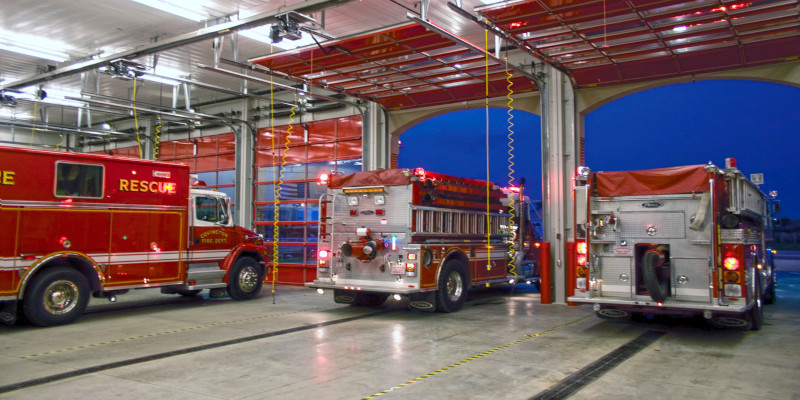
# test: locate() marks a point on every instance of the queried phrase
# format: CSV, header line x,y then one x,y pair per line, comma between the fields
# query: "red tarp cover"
x,y
381,177
686,179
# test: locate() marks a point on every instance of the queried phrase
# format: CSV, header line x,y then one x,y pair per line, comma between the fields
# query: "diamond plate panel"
x,y
739,236
694,273
610,270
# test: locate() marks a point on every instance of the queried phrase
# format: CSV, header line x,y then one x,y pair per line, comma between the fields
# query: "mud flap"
x,y
423,301
8,312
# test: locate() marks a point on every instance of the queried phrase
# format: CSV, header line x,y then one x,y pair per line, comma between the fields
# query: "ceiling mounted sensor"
x,y
288,26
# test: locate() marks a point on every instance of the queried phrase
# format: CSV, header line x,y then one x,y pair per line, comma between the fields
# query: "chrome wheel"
x,y
60,297
455,286
248,278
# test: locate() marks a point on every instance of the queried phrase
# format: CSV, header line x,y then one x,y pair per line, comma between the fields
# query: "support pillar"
x,y
374,139
559,163
245,161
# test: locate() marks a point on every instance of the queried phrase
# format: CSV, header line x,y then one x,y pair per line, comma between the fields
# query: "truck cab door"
x,y
212,234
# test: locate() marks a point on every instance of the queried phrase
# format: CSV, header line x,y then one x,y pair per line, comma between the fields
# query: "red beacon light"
x,y
420,172
324,178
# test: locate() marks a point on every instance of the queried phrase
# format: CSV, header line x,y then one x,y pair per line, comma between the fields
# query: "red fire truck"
x,y
417,234
81,224
682,241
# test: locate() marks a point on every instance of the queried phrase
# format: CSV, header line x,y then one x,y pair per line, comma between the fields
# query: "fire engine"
x,y
683,241
415,234
77,225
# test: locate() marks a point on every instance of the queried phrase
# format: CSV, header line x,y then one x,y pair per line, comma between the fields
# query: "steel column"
x,y
374,139
559,163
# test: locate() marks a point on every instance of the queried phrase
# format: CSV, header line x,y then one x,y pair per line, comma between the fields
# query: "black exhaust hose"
x,y
658,290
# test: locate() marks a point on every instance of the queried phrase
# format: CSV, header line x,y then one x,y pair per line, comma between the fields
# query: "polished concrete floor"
x,y
300,345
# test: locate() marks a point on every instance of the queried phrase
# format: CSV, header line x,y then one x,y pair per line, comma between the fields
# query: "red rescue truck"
x,y
416,234
684,241
81,224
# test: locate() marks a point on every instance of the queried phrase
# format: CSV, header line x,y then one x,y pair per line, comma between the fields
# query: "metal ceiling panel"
x,y
404,66
606,43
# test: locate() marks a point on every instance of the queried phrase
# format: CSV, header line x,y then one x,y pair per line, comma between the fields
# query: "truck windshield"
x,y
211,209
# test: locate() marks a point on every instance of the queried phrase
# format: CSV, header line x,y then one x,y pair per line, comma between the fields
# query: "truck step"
x,y
204,274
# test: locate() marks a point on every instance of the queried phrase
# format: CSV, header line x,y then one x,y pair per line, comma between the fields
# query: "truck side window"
x,y
79,180
205,209
211,209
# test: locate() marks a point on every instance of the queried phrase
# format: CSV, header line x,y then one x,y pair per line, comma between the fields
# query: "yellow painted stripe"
x,y
462,362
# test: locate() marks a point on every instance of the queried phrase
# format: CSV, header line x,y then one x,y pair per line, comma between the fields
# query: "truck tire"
x,y
451,289
368,299
770,297
659,290
756,317
245,279
56,296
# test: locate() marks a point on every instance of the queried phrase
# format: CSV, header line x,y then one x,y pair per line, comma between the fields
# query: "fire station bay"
x,y
341,199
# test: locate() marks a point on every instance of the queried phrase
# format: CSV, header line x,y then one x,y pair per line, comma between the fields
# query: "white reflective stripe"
x,y
128,258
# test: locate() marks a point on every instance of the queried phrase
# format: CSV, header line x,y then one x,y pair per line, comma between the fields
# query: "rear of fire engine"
x,y
410,233
681,241
77,225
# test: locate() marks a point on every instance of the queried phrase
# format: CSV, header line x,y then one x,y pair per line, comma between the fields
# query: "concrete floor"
x,y
303,346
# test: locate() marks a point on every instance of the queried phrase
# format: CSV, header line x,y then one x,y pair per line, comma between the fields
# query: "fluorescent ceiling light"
x,y
186,9
158,79
33,46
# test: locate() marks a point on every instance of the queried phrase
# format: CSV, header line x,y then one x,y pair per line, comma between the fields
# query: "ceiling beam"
x,y
305,7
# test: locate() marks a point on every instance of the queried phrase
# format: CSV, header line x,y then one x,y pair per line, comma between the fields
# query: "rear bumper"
x,y
367,286
668,307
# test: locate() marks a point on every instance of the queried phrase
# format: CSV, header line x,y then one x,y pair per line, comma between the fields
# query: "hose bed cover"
x,y
673,180
383,177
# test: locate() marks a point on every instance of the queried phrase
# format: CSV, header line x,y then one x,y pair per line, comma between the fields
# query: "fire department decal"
x,y
208,237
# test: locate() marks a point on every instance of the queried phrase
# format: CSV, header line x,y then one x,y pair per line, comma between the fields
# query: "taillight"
x,y
581,249
730,262
322,258
412,256
731,274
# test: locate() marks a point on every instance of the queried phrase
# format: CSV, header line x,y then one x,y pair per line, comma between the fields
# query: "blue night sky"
x,y
689,123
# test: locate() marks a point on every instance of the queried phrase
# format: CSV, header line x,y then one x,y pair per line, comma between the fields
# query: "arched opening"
x,y
697,122
455,144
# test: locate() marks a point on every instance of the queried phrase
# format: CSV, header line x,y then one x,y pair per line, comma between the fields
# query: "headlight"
x,y
352,200
380,200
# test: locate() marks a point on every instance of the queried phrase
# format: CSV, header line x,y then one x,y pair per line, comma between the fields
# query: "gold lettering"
x,y
134,186
123,185
153,187
143,186
8,177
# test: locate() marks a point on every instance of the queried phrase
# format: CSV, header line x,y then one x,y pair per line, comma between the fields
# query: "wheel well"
x,y
460,256
85,267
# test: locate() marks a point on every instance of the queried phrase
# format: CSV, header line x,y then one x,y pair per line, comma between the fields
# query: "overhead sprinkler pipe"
x,y
278,85
446,34
509,38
